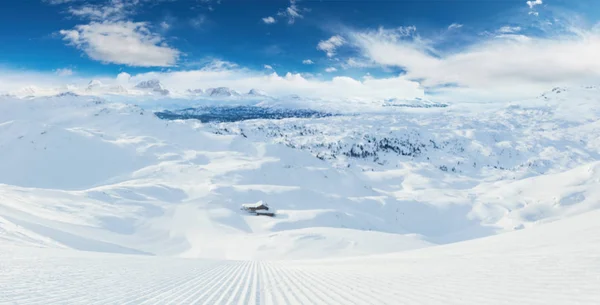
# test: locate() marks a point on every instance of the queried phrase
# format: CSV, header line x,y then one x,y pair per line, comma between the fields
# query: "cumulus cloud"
x,y
495,64
330,69
330,45
269,20
308,62
110,37
122,42
292,12
268,67
533,3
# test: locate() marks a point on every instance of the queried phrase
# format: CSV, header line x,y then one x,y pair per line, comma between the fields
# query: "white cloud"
x,y
165,26
268,67
533,3
496,65
123,78
330,45
112,10
330,69
64,72
292,12
308,62
122,42
225,74
455,26
269,20
509,29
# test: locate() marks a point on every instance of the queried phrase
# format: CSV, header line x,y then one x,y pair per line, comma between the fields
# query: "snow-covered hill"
x,y
100,175
90,174
558,263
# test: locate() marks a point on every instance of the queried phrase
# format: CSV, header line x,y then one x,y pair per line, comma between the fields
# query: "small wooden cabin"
x,y
253,207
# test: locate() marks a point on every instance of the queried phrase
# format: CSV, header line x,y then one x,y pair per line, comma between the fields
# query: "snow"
x,y
557,263
254,205
385,205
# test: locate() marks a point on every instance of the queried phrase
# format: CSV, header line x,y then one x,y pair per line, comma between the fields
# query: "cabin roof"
x,y
255,205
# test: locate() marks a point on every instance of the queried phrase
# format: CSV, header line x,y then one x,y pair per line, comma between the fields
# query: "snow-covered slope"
x,y
86,173
99,176
557,263
453,159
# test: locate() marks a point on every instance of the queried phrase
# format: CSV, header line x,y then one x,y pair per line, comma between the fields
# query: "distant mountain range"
x,y
154,89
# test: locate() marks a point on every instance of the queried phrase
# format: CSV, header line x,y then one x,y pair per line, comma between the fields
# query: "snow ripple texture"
x,y
557,263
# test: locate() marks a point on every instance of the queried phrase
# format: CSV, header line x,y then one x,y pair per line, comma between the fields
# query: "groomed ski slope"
x,y
556,263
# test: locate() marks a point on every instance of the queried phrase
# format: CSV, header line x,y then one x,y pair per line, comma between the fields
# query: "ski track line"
x,y
57,291
329,287
194,279
397,288
324,297
192,287
358,285
245,296
200,284
138,296
225,285
127,292
264,294
284,281
231,291
293,286
240,295
303,288
206,282
351,290
273,287
205,295
96,289
257,283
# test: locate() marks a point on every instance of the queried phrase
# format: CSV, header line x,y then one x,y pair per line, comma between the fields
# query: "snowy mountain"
x,y
93,84
96,87
221,92
257,93
32,91
195,91
153,86
84,173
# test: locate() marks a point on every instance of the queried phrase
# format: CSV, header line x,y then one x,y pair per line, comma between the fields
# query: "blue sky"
x,y
318,40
